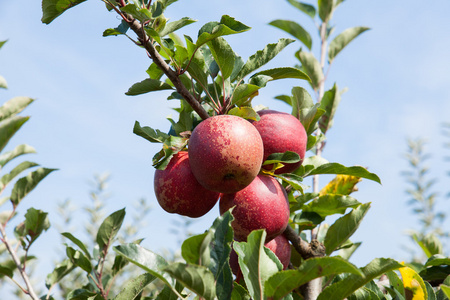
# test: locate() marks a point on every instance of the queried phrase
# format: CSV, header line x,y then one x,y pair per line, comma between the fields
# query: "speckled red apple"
x,y
261,205
225,153
282,132
177,190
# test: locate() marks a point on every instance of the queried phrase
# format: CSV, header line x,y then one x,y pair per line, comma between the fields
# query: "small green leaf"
x,y
326,8
294,29
26,184
77,242
121,29
342,40
198,279
226,26
308,270
79,259
9,127
261,57
282,73
244,93
137,12
134,287
396,282
245,112
146,86
14,106
195,249
351,283
52,9
287,157
445,289
331,204
311,66
59,272
300,100
293,180
5,271
5,179
430,244
437,260
308,9
150,134
307,220
239,292
109,229
223,55
255,264
172,145
17,151
3,83
344,227
175,25
335,168
329,103
36,221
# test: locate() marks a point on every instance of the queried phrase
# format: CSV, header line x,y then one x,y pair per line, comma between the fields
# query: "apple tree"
x,y
270,240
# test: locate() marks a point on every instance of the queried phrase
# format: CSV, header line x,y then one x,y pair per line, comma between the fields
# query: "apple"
x,y
281,132
261,205
225,153
177,190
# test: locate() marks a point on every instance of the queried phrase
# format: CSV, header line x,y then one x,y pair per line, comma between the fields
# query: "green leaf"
x,y
17,151
294,29
226,26
14,106
445,289
437,260
150,134
195,249
344,227
172,145
220,254
82,294
9,127
282,73
300,100
77,242
3,83
5,179
137,12
335,168
223,55
146,86
134,287
331,204
307,220
311,66
255,264
396,282
326,8
351,283
79,259
261,57
2,43
121,29
245,112
430,244
239,293
282,283
342,40
174,26
5,271
287,157
293,180
243,94
109,229
304,7
168,294
36,221
430,291
26,184
148,261
59,272
198,279
346,253
52,9
329,103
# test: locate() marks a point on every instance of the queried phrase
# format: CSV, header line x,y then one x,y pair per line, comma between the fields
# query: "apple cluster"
x,y
223,163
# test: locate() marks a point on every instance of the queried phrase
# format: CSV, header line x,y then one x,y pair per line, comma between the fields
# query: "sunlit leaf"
x,y
172,145
109,229
7,178
396,282
335,168
195,249
138,12
342,40
294,29
329,103
134,287
60,271
344,227
79,259
244,93
308,9
437,260
445,289
146,86
351,283
17,151
150,134
175,25
282,283
341,185
14,106
282,73
25,185
245,112
223,55
198,279
413,283
326,8
77,242
9,127
51,9
311,66
330,204
226,26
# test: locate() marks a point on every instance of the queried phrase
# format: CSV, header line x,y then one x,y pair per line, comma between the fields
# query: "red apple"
x,y
282,132
177,190
225,153
261,205
282,249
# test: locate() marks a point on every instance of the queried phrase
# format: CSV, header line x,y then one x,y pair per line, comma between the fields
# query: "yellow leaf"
x,y
341,185
415,288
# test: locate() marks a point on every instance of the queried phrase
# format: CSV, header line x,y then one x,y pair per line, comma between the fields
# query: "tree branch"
x,y
26,279
305,249
138,28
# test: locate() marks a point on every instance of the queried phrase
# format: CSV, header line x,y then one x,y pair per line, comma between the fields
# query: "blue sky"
x,y
397,75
